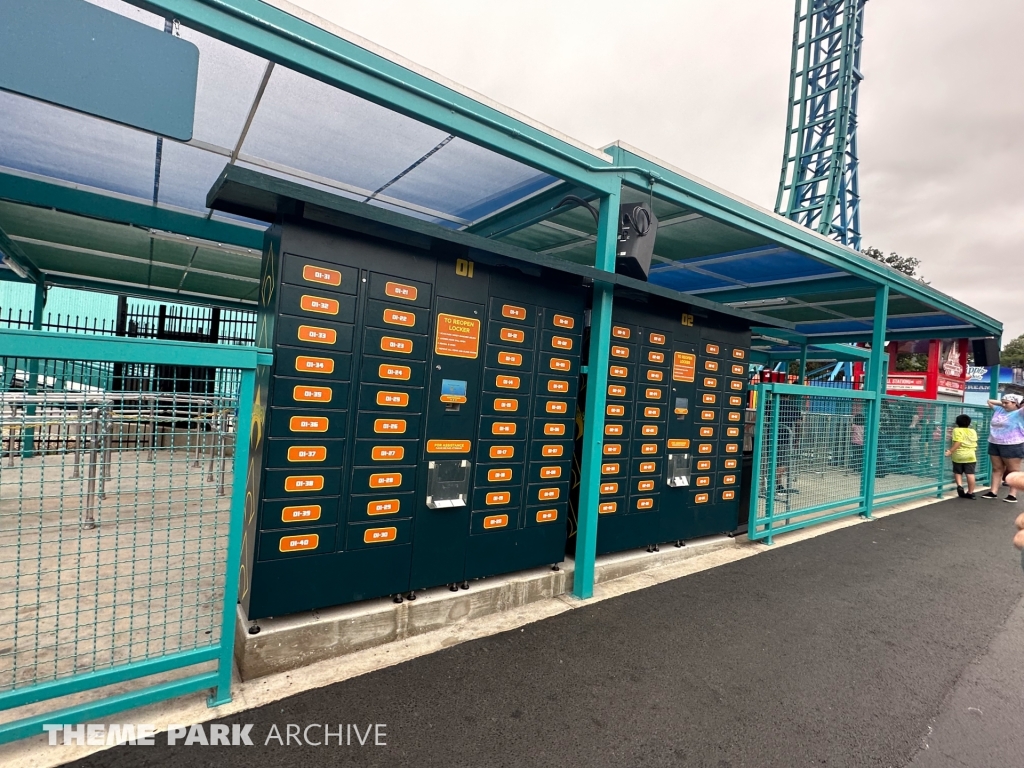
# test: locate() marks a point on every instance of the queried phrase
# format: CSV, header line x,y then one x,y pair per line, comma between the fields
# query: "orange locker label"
x,y
457,336
653,375
399,372
619,332
739,354
298,543
386,480
547,515
501,475
312,394
700,498
556,385
712,349
303,483
507,382
616,390
645,485
495,521
556,406
394,344
708,398
710,365
502,451
736,384
609,488
653,394
656,338
612,449
728,495
649,430
552,450
729,479
393,399
609,469
379,535
652,412
622,352
707,415
615,410
707,431
618,371
510,358
710,382
738,370
301,513
388,452
560,364
514,312
384,507
317,334
563,321
389,426
308,423
655,357
704,448
644,503
648,466
400,291
679,443
506,404
561,342
703,465
554,429
512,334
613,429
730,464
398,317
495,498
503,428
548,473
649,448
298,453
306,364
607,507
314,274
548,494
319,304
732,447
735,400
735,415
684,366
703,481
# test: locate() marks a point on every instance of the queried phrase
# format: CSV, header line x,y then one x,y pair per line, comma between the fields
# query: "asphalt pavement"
x,y
862,647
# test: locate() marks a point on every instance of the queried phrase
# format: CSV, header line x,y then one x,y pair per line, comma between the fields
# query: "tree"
x,y
905,264
1012,355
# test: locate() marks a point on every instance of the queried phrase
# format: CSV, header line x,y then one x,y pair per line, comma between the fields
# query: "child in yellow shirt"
x,y
965,460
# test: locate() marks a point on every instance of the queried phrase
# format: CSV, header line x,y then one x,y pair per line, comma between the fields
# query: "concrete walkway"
x,y
869,646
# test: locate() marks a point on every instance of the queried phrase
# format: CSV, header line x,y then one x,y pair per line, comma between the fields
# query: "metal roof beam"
x,y
785,289
17,260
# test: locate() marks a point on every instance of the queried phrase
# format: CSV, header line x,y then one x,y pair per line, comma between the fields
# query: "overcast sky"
x,y
702,84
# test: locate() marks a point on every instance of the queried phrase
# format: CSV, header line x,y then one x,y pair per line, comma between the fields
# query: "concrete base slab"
x,y
301,639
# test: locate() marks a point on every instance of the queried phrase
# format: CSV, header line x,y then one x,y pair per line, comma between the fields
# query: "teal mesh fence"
x,y
809,457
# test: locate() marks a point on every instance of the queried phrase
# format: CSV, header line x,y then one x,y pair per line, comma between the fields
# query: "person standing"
x,y
1005,442
965,460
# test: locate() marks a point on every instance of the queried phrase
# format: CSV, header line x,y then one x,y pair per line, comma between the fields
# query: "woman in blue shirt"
x,y
1005,441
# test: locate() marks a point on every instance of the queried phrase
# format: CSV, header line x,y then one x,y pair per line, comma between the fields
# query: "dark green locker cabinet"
x,y
668,433
417,422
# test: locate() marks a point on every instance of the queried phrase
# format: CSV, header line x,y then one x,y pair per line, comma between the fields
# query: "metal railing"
x,y
809,454
120,525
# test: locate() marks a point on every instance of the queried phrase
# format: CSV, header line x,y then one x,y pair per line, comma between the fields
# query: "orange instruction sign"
x,y
457,336
684,367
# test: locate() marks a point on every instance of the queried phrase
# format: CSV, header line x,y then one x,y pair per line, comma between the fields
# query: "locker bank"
x,y
419,416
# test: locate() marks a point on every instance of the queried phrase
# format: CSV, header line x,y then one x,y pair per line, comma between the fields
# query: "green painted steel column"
x,y
876,384
803,364
597,385
28,438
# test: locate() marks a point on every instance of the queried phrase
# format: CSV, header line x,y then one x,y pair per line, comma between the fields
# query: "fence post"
x,y
773,455
877,384
28,434
943,441
755,470
221,694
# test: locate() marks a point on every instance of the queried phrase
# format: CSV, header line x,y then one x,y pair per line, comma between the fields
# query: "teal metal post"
x,y
773,455
943,466
28,438
221,694
597,385
755,475
803,365
876,384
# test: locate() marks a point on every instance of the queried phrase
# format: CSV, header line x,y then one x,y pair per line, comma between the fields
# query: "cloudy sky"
x,y
702,84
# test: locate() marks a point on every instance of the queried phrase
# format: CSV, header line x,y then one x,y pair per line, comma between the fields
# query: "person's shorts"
x,y
1006,451
967,468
